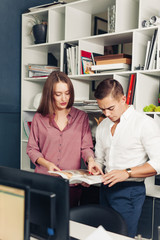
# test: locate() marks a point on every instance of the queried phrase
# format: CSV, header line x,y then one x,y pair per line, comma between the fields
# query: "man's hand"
x,y
114,177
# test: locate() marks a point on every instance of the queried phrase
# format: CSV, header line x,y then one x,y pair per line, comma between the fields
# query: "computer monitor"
x,y
14,211
48,184
42,217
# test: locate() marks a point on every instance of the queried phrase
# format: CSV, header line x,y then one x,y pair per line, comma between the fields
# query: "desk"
x,y
81,231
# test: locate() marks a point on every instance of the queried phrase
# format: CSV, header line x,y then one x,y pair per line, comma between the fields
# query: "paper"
x,y
78,176
99,234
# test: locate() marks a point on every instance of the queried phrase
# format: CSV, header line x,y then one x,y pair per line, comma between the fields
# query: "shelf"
x,y
30,110
37,79
74,25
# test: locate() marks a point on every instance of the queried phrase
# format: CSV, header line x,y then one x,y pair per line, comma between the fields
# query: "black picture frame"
x,y
97,26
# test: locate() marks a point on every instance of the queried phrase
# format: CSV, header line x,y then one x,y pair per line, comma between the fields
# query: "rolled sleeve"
x,y
33,150
87,143
99,150
151,143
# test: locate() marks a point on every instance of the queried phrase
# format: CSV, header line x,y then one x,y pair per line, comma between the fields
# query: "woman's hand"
x,y
49,165
93,167
52,167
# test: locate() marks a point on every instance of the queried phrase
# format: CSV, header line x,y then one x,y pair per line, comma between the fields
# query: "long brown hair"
x,y
47,105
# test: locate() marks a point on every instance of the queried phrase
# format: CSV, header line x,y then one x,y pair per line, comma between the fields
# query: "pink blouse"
x,y
63,148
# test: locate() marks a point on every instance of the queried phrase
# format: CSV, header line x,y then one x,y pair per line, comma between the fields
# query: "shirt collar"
x,y
127,113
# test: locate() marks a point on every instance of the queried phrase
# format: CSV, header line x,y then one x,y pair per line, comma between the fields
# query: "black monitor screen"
x,y
42,217
14,211
51,185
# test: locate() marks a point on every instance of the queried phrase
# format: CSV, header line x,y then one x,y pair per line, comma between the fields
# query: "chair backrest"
x,y
96,215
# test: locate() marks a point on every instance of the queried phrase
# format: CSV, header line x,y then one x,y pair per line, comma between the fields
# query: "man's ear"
x,y
123,99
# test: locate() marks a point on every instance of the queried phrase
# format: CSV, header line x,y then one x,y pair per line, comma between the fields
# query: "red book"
x,y
87,55
130,88
133,90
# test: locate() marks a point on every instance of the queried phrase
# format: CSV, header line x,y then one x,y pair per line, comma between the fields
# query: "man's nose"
x,y
106,112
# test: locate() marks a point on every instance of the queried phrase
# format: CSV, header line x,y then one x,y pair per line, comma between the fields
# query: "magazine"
x,y
78,176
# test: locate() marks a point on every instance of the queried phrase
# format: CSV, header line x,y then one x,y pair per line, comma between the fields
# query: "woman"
x,y
60,134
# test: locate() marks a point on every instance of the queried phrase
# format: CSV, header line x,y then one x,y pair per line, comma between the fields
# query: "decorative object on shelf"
x,y
40,32
37,100
100,26
146,23
153,21
151,108
139,67
27,127
111,18
39,29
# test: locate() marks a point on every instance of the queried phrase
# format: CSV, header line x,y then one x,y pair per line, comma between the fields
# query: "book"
x,y
112,56
130,88
111,61
78,176
32,74
86,55
150,51
133,90
87,64
70,64
114,66
153,56
38,67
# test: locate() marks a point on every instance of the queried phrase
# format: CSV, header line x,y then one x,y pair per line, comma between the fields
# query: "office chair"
x,y
95,215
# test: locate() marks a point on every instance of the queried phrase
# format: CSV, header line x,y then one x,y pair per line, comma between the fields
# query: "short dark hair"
x,y
47,106
107,87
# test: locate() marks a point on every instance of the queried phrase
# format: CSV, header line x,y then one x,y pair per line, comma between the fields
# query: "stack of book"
x,y
131,89
151,56
70,64
38,70
86,104
112,62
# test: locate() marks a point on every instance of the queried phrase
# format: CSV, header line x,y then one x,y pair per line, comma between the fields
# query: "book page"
x,y
78,176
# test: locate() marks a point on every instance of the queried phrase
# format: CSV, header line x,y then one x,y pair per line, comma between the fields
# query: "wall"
x,y
10,73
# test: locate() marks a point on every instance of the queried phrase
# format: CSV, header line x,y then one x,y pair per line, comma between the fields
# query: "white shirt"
x,y
136,139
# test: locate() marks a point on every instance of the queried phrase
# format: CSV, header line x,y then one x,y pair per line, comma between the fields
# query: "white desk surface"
x,y
81,232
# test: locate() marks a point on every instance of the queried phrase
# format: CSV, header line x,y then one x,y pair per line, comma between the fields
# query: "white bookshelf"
x,y
72,23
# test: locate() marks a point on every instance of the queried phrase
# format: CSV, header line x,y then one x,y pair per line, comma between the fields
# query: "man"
x,y
124,142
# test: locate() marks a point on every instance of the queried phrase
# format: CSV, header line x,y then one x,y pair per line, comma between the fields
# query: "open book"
x,y
78,176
